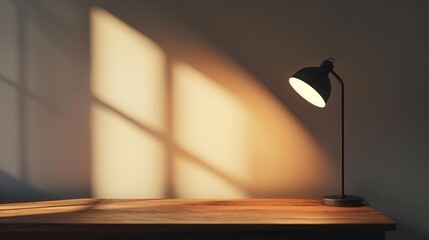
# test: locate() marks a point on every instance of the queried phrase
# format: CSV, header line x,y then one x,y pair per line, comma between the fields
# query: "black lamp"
x,y
313,84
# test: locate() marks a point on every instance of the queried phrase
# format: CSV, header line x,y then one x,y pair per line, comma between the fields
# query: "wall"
x,y
380,48
44,109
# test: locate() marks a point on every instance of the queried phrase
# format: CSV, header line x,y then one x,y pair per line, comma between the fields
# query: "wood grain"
x,y
188,215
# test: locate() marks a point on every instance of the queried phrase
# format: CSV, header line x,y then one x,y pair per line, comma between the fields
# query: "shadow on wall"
x,y
44,99
14,190
173,117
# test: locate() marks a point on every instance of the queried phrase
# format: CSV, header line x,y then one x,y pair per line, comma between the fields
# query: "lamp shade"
x,y
313,84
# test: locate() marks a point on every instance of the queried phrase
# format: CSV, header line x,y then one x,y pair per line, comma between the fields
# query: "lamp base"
x,y
344,201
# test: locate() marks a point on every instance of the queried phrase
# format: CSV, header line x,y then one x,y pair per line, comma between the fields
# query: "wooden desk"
x,y
189,219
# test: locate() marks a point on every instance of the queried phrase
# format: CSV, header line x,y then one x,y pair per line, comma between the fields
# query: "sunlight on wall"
x,y
271,153
212,124
128,76
128,161
195,181
128,70
227,137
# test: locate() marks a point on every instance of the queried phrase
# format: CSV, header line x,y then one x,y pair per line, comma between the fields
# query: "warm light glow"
x,y
307,92
212,124
128,81
228,137
193,180
127,161
128,70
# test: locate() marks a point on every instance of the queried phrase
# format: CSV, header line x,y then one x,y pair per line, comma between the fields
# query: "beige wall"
x,y
219,58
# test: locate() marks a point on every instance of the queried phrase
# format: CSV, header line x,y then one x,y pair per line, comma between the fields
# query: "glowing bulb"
x,y
307,92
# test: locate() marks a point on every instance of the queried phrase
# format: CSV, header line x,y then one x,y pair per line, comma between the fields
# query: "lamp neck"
x,y
327,65
341,132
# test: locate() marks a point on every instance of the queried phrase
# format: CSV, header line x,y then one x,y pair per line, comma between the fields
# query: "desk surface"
x,y
190,215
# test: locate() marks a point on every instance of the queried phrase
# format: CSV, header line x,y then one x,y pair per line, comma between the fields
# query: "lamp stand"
x,y
342,200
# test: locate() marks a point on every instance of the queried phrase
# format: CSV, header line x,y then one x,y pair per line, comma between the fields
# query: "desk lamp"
x,y
313,84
